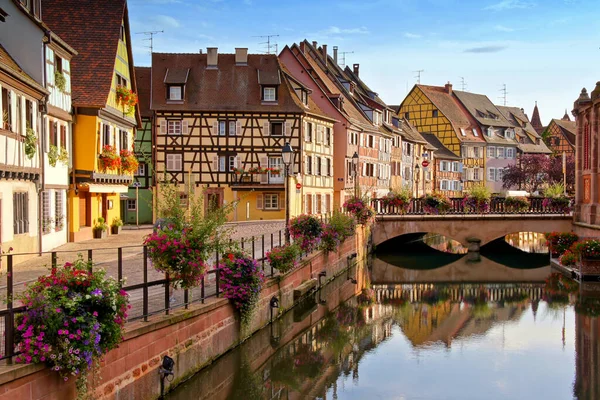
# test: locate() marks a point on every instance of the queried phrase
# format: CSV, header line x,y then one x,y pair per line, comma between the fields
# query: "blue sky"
x,y
543,50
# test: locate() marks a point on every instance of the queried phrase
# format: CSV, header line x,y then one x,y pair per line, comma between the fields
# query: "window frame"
x,y
129,208
264,93
271,130
170,93
177,123
172,154
141,171
271,196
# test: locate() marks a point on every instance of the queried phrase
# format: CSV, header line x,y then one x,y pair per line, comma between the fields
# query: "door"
x,y
276,163
213,199
83,211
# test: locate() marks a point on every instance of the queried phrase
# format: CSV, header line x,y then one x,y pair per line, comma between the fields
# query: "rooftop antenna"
x,y
463,84
504,93
151,38
268,42
343,59
418,76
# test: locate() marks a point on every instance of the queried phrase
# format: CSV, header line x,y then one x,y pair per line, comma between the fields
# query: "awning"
x,y
98,188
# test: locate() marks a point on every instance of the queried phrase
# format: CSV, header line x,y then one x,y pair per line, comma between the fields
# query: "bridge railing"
x,y
537,205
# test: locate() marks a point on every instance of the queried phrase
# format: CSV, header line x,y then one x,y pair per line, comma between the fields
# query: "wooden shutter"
x,y
264,163
238,127
184,127
330,167
236,162
314,204
266,128
215,163
215,128
287,129
305,131
481,172
259,201
163,127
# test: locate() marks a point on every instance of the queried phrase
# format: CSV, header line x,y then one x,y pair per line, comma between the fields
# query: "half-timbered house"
x,y
560,136
446,168
104,124
221,121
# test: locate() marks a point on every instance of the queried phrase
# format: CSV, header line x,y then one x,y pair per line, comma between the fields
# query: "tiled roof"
x,y
482,109
411,133
93,29
177,75
312,108
441,150
229,87
523,129
458,116
569,129
10,66
142,77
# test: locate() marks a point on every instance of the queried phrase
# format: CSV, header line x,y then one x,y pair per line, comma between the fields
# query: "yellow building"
x,y
101,122
221,123
433,109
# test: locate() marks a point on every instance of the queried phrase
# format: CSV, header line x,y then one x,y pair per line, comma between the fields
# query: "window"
x,y
141,171
63,136
174,162
309,132
276,128
318,166
510,152
183,199
132,205
462,132
475,132
174,127
353,138
19,115
232,163
105,135
490,131
455,166
434,113
58,210
476,152
54,134
328,170
328,136
269,94
46,217
232,128
6,110
175,93
499,174
407,115
222,163
20,212
327,203
124,139
58,63
444,185
376,117
318,204
491,174
222,128
271,201
371,141
501,152
29,114
476,176
122,35
491,152
308,165
443,165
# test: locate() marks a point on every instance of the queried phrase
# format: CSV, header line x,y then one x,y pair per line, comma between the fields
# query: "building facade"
x,y
223,138
446,168
105,125
559,136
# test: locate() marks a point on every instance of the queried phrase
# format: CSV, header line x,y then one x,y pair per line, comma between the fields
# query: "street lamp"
x,y
287,154
355,173
416,178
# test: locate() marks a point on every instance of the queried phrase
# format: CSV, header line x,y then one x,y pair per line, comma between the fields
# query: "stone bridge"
x,y
471,230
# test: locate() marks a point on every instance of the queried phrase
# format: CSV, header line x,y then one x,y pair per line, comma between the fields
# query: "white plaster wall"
x,y
7,188
56,238
58,98
59,174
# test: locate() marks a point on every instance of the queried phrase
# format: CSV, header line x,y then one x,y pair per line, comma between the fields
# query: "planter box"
x,y
115,230
590,266
98,234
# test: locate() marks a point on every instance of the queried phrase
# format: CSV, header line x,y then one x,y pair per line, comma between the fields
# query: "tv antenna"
x,y
463,84
151,38
418,76
504,93
343,57
268,42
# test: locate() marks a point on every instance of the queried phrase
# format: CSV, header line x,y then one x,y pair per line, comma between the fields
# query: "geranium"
x,y
398,200
174,252
129,163
284,258
109,159
568,258
559,242
127,99
74,316
241,280
587,249
436,203
306,231
362,212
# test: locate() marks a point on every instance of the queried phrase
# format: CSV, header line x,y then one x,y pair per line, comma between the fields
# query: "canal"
x,y
429,324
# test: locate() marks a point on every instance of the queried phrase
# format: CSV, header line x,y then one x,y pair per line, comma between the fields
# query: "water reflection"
x,y
426,340
443,243
531,242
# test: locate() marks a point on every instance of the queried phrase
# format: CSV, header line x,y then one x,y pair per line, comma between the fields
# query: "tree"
x,y
555,171
529,173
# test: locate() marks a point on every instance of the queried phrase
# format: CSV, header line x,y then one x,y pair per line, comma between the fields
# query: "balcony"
x,y
257,180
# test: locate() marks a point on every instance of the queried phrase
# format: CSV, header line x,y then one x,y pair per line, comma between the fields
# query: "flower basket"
x,y
362,212
109,159
284,258
241,281
127,99
557,204
306,230
475,205
73,317
395,202
129,163
516,204
436,203
559,242
568,259
330,239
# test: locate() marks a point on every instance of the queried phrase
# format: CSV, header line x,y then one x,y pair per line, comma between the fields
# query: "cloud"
x,y
486,49
502,28
412,35
334,30
509,5
164,21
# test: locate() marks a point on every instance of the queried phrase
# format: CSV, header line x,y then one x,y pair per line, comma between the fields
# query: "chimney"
x,y
325,54
200,51
335,51
212,59
315,44
355,66
241,56
448,87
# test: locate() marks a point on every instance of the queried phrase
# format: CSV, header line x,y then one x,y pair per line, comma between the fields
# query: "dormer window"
x,y
304,97
377,118
269,93
175,93
490,131
175,80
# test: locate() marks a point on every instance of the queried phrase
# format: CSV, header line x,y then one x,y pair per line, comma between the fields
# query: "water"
x,y
457,331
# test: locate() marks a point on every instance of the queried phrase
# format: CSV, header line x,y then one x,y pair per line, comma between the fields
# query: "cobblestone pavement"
x,y
105,255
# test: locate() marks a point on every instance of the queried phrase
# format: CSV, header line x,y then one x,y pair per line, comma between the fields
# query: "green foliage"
x,y
516,204
343,224
116,222
30,143
555,190
479,192
60,81
53,155
101,225
284,258
436,203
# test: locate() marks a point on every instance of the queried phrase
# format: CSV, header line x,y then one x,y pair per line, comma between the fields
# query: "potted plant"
x,y
477,199
127,99
60,81
559,242
556,200
517,204
436,203
30,142
116,225
589,254
52,155
397,200
63,156
100,229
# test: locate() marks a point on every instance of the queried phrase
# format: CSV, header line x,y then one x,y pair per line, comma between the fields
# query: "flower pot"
x,y
115,230
99,234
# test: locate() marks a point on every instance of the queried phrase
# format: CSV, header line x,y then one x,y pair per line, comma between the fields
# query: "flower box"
x,y
590,266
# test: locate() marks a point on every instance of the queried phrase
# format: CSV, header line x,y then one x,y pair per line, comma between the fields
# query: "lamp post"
x,y
417,170
287,155
355,173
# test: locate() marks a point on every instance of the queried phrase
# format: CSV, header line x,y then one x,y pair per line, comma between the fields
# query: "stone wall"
x,y
193,337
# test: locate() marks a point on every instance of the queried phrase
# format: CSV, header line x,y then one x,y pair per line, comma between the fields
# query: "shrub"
x,y
363,213
516,204
559,242
343,224
74,316
555,190
241,280
477,199
307,230
568,258
436,203
587,249
283,258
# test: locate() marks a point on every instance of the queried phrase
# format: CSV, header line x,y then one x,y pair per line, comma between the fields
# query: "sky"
x,y
542,50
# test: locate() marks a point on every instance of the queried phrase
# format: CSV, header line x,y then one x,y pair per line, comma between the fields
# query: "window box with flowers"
x,y
127,99
129,163
109,159
560,242
397,201
363,213
436,203
517,204
284,258
73,317
589,254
